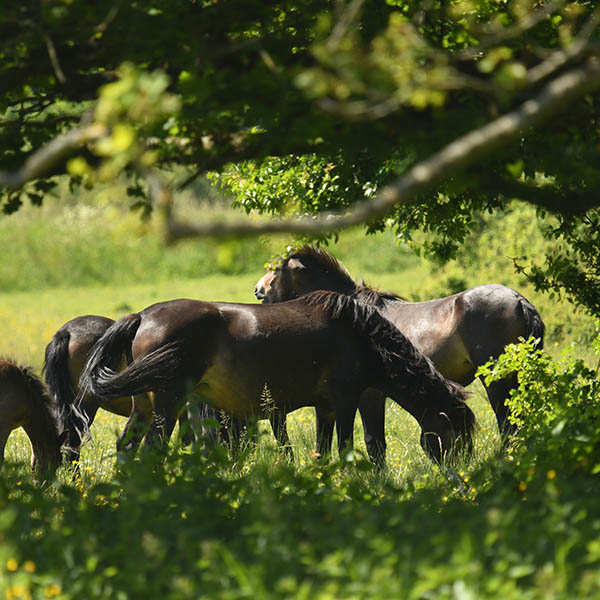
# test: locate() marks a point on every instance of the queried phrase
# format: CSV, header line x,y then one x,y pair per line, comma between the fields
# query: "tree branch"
x,y
467,150
507,33
568,203
578,47
42,161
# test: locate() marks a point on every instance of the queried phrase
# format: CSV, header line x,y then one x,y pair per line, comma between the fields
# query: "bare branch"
x,y
579,47
506,33
343,25
60,75
41,161
462,152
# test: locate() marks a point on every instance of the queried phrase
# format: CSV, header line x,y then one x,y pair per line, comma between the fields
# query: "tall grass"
x,y
250,524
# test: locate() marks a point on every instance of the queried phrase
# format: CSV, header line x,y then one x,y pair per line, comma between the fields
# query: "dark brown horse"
x,y
321,350
66,355
25,403
458,333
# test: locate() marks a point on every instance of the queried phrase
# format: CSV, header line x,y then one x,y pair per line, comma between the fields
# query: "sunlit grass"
x,y
406,461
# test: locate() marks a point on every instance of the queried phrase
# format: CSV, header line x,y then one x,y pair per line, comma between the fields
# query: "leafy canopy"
x,y
299,107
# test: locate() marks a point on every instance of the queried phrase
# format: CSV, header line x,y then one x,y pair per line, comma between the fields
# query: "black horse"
x,y
65,357
320,350
458,333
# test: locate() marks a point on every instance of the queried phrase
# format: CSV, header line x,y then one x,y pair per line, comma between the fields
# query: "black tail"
x,y
534,323
153,371
57,377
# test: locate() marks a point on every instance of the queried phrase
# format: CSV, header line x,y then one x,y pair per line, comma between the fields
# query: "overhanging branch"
x,y
567,203
42,161
467,150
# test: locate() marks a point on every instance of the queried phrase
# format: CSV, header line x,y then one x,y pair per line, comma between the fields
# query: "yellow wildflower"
x,y
29,566
52,590
12,564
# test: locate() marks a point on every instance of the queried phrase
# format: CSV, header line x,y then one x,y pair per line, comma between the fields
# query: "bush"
x,y
556,408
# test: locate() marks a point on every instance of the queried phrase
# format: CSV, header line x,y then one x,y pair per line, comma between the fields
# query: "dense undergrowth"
x,y
519,523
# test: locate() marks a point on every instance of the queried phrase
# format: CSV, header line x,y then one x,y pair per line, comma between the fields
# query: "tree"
x,y
412,115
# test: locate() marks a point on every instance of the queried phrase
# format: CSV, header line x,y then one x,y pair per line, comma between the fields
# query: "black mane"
x,y
408,368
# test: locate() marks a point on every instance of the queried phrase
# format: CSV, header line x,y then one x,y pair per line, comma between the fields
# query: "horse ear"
x,y
295,263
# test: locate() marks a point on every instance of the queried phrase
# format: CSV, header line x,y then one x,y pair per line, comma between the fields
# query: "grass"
x,y
209,524
20,312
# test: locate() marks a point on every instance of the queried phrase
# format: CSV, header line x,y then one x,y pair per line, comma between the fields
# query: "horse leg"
x,y
346,406
197,413
498,392
166,407
137,425
278,421
372,412
4,433
325,418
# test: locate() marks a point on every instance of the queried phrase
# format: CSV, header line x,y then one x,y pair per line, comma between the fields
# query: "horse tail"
x,y
156,370
533,321
57,377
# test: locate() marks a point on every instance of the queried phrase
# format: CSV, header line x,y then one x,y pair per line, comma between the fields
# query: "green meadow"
x,y
250,524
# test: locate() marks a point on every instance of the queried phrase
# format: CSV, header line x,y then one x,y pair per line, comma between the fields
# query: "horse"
x,y
458,333
319,350
24,402
65,357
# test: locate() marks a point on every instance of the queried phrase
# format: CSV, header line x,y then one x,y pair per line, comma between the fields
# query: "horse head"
x,y
306,270
282,283
447,435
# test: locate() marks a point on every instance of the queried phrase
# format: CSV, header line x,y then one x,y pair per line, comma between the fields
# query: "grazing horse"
x,y
320,350
458,333
25,403
66,355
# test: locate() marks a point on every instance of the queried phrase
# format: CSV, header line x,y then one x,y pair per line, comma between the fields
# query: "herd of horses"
x,y
318,339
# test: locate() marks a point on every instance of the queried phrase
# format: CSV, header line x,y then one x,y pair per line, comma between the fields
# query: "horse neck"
x,y
411,379
340,284
42,434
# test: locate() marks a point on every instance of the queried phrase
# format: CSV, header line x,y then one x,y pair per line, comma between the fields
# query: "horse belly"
x,y
239,384
452,360
227,389
435,333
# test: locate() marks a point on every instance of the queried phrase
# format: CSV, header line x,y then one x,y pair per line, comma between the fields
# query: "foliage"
x,y
246,524
240,525
556,408
301,107
571,267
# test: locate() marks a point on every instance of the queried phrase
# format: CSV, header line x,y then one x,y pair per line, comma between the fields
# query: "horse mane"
x,y
38,391
418,378
369,295
324,261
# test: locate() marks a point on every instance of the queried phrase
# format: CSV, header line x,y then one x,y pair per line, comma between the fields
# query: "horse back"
x,y
494,316
462,331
